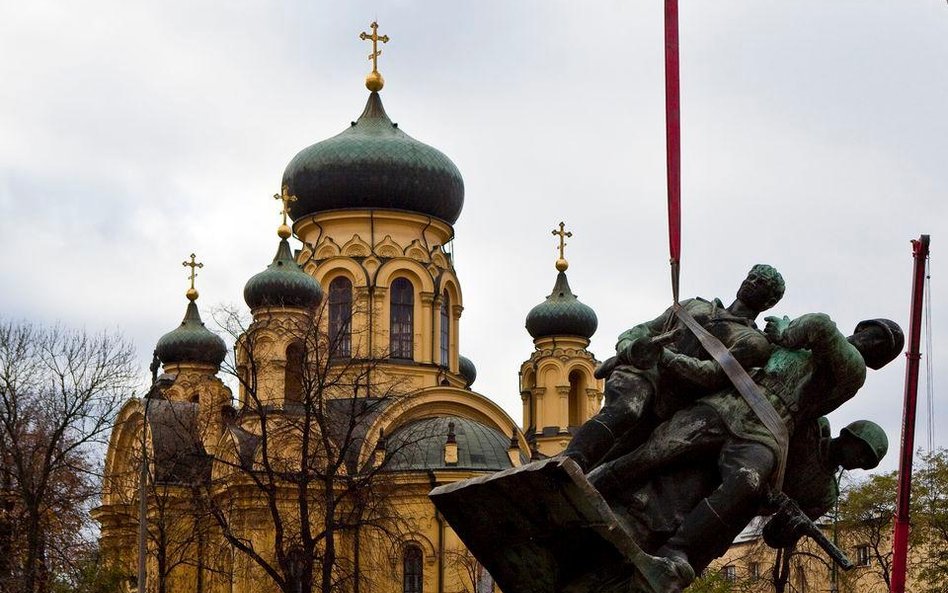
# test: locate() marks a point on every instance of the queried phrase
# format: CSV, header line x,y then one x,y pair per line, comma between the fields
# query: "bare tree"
x,y
298,436
59,392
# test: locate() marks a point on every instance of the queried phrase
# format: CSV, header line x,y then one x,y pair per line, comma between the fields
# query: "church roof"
x,y
419,445
283,284
191,342
562,314
374,164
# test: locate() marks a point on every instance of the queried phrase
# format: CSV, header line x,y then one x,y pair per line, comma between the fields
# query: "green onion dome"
x,y
283,284
467,370
191,342
561,314
374,165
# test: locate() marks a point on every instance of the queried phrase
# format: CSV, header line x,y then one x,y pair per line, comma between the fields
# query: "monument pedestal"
x,y
542,528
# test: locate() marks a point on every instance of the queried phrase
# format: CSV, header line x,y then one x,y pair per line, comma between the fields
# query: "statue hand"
x,y
642,353
776,329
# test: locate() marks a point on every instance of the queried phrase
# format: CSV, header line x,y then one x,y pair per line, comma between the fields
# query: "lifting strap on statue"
x,y
749,390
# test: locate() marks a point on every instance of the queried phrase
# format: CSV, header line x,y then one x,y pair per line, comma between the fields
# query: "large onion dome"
x,y
191,342
373,164
283,284
467,370
561,314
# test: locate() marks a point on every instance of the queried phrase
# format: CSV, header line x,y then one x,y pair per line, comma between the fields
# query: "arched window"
x,y
412,581
340,317
402,314
293,374
445,329
577,398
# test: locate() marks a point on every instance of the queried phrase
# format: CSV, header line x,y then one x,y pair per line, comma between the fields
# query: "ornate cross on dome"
x,y
562,235
561,263
287,198
284,231
192,293
374,80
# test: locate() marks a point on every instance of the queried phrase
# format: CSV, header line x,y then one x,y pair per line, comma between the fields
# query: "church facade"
x,y
353,398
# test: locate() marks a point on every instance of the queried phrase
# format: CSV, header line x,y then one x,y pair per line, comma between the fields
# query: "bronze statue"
x,y
680,372
680,458
812,372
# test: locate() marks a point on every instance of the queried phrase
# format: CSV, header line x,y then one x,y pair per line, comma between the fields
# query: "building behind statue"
x,y
368,300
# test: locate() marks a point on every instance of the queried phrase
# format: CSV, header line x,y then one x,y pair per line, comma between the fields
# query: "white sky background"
x,y
815,138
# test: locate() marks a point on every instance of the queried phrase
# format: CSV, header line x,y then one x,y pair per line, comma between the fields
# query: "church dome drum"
x,y
373,164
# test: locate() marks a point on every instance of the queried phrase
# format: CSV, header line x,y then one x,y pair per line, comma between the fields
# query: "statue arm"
x,y
649,329
842,366
750,350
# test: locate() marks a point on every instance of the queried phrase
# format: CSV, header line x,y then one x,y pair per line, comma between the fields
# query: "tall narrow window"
x,y
402,314
577,399
412,570
293,375
445,329
340,317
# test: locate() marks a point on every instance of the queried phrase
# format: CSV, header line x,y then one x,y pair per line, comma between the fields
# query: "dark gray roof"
x,y
419,445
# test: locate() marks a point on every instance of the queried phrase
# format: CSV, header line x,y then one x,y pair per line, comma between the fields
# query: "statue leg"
x,y
694,430
710,528
628,391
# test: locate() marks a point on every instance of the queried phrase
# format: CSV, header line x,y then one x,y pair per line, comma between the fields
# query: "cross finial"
x,y
374,81
192,292
284,231
561,263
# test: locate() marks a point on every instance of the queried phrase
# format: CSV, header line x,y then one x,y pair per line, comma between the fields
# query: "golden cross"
x,y
192,264
562,235
375,37
287,198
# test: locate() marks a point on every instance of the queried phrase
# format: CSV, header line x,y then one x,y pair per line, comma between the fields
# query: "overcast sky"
x,y
815,138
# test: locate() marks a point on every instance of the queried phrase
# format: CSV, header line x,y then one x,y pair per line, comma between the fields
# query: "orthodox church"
x,y
355,338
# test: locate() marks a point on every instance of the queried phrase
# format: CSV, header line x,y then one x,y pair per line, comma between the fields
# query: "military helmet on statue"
x,y
872,436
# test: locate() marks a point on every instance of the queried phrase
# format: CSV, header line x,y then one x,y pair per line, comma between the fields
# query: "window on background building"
x,y
863,556
293,373
340,316
753,569
729,572
412,581
445,329
402,314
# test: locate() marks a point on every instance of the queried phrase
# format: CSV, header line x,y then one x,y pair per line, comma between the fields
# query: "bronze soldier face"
x,y
762,288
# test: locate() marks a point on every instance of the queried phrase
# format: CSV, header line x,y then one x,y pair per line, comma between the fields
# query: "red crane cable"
x,y
673,140
901,530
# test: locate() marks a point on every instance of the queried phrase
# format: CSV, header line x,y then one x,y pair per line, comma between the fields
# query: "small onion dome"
x,y
283,284
561,314
373,164
467,370
191,342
